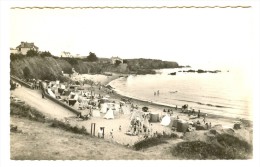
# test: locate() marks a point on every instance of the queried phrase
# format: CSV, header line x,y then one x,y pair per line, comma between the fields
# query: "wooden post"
x,y
93,128
103,135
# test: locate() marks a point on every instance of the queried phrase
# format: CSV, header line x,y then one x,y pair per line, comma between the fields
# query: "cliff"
x,y
135,64
50,68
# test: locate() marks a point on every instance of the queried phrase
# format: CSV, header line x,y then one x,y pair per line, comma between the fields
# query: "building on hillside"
x,y
24,47
65,54
13,51
68,54
114,59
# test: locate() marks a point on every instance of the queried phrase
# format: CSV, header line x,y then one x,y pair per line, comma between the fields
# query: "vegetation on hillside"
x,y
26,111
154,141
12,85
225,146
135,64
92,57
45,66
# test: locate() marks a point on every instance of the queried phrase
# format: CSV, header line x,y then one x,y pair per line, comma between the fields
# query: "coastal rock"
x,y
237,126
173,73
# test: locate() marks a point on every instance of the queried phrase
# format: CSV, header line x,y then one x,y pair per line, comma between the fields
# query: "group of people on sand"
x,y
138,129
169,111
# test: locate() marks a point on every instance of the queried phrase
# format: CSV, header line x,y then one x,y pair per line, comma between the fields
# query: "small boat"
x,y
173,91
173,73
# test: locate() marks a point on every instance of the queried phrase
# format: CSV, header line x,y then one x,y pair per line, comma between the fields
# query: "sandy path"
x,y
46,106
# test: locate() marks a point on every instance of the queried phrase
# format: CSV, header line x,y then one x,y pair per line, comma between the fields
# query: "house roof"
x,y
66,53
116,58
27,45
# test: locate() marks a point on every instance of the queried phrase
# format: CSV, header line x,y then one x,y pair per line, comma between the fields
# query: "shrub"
x,y
235,148
14,56
46,54
32,53
92,57
23,110
149,142
225,147
72,61
197,150
153,141
66,126
26,72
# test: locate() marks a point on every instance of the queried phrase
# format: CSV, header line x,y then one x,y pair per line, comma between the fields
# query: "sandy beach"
x,y
53,110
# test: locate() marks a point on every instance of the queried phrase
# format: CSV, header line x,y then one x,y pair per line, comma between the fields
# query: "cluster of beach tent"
x,y
113,109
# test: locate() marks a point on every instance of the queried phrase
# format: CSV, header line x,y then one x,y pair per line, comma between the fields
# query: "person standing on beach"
x,y
199,114
158,92
111,134
204,118
100,133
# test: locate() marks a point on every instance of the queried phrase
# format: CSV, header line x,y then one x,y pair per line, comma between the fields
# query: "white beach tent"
x,y
109,114
166,120
95,113
51,93
62,86
116,109
104,108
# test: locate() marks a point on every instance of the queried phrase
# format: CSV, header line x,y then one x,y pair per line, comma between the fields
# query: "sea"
x,y
227,93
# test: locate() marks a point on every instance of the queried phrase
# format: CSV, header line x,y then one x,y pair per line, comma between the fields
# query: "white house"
x,y
65,54
24,47
114,59
14,51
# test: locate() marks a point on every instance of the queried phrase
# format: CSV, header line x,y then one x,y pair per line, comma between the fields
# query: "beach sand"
x,y
97,78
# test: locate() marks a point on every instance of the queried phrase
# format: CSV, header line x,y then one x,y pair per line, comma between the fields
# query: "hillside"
x,y
50,67
150,64
39,141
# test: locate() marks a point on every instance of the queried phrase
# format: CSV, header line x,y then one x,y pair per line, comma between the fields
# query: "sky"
x,y
208,37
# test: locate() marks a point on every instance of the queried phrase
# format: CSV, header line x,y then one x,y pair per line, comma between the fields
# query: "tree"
x,y
15,56
92,57
26,72
45,54
117,62
31,53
